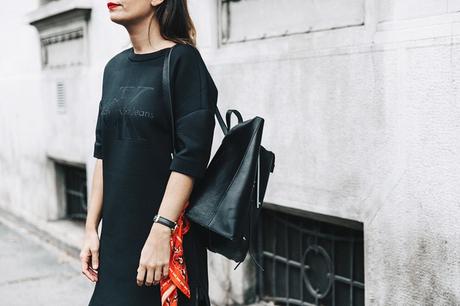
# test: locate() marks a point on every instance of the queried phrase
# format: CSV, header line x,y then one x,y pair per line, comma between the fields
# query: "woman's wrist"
x,y
158,227
91,227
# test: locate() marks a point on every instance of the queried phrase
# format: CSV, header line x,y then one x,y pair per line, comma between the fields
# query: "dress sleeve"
x,y
194,96
98,151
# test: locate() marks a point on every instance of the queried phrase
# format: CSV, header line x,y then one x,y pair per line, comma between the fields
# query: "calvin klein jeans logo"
x,y
135,112
128,101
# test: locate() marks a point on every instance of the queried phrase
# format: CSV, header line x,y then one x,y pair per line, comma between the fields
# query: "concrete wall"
x,y
22,154
364,123
363,120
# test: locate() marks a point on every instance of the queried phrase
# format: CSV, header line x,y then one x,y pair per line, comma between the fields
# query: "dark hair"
x,y
175,22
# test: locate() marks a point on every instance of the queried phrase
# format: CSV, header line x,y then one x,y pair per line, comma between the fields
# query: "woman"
x,y
135,175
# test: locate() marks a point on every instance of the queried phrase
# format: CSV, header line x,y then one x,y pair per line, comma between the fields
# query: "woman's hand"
x,y
89,255
154,261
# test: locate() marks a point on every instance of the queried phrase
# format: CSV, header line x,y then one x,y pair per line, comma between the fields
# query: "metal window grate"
x,y
309,262
75,191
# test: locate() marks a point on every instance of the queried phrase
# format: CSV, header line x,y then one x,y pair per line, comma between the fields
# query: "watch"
x,y
171,224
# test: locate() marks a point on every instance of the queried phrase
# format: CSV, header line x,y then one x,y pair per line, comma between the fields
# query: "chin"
x,y
117,18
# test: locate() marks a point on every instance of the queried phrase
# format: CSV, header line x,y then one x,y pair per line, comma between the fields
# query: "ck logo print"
x,y
131,101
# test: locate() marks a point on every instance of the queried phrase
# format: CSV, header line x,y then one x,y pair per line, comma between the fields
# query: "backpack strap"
x,y
166,88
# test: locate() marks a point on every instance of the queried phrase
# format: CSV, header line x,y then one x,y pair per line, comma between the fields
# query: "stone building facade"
x,y
360,100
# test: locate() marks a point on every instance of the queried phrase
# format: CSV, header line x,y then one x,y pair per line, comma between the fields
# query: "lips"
x,y
112,5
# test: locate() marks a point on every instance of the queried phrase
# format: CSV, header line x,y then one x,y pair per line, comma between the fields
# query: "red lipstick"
x,y
112,5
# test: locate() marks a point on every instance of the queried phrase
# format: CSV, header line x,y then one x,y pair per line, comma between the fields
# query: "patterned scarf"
x,y
177,276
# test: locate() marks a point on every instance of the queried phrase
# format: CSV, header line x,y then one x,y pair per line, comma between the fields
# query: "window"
x,y
74,179
309,262
258,19
62,27
63,49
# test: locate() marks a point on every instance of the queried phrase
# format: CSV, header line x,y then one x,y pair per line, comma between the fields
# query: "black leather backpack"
x,y
227,201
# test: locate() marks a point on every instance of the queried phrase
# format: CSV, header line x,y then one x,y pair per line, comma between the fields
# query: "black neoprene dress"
x,y
133,139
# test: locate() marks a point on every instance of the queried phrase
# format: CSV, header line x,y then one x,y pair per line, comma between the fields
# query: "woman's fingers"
x,y
95,259
90,274
165,271
150,276
158,274
85,271
85,258
141,270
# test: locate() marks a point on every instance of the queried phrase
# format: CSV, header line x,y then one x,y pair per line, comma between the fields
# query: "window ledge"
x,y
55,10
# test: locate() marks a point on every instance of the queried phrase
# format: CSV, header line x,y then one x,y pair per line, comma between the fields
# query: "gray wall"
x,y
362,113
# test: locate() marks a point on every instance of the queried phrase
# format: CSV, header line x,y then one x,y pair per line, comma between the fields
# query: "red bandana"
x,y
177,276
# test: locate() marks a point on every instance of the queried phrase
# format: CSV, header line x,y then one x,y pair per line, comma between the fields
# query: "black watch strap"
x,y
171,224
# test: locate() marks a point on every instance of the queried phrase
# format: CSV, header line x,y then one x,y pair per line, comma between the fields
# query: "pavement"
x,y
35,273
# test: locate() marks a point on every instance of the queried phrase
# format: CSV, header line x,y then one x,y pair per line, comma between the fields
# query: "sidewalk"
x,y
36,273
